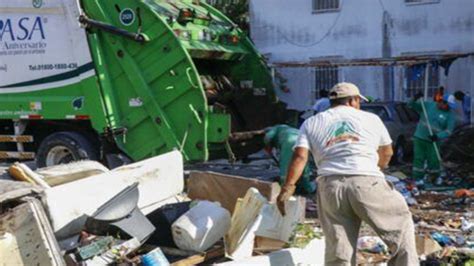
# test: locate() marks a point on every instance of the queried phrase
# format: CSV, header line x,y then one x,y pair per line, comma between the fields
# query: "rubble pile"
x,y
142,214
86,214
446,220
444,224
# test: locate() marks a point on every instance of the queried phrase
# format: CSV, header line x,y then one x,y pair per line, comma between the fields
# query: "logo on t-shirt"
x,y
342,131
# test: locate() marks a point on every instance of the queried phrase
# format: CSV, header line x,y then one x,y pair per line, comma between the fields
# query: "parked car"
x,y
401,122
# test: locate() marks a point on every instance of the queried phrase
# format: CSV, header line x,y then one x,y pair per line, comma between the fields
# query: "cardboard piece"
x,y
200,258
425,245
246,218
267,244
226,189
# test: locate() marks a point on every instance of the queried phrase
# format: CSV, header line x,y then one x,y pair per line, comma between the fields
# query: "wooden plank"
x,y
200,258
16,138
265,244
17,155
226,189
239,240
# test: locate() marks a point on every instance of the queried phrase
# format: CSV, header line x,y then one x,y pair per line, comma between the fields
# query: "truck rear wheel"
x,y
64,147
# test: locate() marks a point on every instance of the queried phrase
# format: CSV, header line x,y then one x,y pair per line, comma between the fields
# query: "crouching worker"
x,y
283,139
350,147
441,118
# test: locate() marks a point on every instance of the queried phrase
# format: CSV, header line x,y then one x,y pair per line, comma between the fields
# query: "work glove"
x,y
286,192
418,96
434,138
268,149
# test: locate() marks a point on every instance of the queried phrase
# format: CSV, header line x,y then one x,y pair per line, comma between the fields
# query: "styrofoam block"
x,y
68,205
276,226
312,254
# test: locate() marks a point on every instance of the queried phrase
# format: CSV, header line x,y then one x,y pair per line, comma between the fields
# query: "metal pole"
x,y
430,130
427,80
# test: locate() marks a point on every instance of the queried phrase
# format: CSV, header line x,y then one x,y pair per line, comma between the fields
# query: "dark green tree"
x,y
237,10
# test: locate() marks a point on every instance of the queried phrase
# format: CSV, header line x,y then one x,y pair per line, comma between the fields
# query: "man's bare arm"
x,y
385,154
296,168
297,164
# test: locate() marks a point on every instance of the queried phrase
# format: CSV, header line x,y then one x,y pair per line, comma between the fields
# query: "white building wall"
x,y
289,31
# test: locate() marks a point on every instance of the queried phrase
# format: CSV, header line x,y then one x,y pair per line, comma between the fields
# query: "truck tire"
x,y
64,147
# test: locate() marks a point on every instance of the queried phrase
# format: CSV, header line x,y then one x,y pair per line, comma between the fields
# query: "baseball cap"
x,y
345,89
450,100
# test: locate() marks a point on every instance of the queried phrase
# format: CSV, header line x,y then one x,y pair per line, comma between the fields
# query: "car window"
x,y
412,115
377,110
402,113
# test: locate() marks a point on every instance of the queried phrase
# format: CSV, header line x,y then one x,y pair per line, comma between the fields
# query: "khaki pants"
x,y
345,201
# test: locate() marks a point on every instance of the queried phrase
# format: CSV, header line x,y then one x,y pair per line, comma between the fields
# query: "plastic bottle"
x,y
201,227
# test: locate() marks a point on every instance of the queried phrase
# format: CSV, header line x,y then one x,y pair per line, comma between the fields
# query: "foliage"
x,y
302,235
237,10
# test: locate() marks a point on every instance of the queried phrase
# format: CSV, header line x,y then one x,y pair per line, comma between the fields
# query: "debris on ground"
x,y
85,214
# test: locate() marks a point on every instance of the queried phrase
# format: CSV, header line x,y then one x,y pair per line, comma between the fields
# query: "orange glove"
x,y
286,192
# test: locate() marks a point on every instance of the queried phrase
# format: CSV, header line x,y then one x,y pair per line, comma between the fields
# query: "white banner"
x,y
41,45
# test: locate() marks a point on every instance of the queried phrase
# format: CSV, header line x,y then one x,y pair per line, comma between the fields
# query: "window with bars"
x,y
421,1
325,5
325,78
415,81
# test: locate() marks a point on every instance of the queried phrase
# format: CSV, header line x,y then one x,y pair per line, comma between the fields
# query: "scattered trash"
x,y
136,214
404,187
117,253
466,225
154,258
425,245
95,248
372,244
464,193
399,175
442,239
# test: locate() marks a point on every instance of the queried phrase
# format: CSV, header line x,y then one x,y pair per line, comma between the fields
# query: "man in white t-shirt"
x,y
350,147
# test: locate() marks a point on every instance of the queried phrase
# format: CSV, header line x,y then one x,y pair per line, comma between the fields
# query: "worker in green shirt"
x,y
283,139
441,118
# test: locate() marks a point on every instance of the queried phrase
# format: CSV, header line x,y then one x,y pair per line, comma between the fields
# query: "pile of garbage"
x,y
85,214
146,214
445,226
444,223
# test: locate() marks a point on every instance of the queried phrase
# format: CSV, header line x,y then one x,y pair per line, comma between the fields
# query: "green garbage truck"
x,y
123,80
